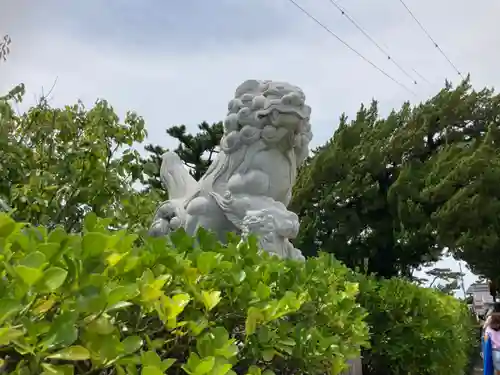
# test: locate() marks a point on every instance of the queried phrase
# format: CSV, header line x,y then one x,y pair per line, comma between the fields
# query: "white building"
x,y
481,297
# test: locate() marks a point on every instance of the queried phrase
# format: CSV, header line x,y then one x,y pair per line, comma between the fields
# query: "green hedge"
x,y
98,303
415,330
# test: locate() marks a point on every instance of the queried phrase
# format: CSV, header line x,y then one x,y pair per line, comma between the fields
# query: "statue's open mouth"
x,y
302,111
286,116
290,120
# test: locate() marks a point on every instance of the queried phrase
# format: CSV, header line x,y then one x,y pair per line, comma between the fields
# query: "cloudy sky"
x,y
179,61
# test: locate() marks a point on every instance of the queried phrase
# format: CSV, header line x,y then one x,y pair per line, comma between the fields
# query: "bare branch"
x,y
4,47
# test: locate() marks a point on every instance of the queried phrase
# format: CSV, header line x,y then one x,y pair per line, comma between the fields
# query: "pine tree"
x,y
196,151
394,192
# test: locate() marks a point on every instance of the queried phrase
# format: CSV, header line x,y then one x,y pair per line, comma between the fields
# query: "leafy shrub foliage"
x,y
56,164
98,303
415,330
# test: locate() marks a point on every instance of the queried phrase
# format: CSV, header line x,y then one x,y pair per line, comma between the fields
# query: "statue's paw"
x,y
160,228
175,223
296,254
288,228
168,218
170,210
163,227
166,211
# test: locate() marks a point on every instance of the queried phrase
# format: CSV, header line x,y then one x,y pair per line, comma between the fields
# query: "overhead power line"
x,y
348,46
431,39
421,76
367,35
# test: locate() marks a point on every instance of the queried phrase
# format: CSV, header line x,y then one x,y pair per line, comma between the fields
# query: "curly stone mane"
x,y
268,111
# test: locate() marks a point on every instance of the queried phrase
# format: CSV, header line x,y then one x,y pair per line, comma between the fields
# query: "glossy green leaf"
x,y
49,249
72,353
9,334
102,325
94,243
122,293
167,363
35,259
54,277
58,235
28,274
7,225
268,355
254,370
151,370
177,303
263,291
132,344
221,369
9,307
211,299
151,358
50,369
204,366
254,316
90,221
63,331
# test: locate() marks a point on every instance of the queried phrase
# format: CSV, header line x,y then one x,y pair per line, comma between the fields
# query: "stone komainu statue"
x,y
248,186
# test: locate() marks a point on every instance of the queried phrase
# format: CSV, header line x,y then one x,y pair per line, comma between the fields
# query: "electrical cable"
x,y
431,39
421,76
365,33
348,46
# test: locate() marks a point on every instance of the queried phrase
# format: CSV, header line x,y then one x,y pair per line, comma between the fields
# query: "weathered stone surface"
x,y
249,185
